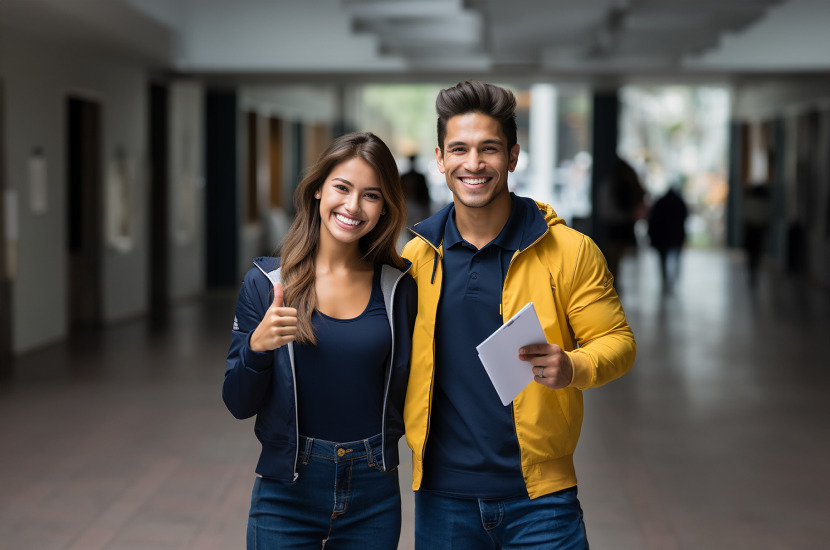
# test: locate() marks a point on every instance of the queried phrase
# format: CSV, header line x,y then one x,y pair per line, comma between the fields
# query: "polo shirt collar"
x,y
510,237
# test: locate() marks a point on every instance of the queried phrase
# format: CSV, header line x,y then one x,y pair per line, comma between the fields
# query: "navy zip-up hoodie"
x,y
264,384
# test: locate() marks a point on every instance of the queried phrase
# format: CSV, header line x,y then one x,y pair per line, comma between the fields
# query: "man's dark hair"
x,y
473,96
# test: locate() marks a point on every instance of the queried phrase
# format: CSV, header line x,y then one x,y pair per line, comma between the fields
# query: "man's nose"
x,y
474,161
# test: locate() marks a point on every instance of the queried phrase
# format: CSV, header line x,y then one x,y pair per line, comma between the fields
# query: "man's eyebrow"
x,y
493,141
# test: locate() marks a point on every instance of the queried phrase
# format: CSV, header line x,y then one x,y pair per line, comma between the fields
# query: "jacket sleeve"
x,y
605,344
248,373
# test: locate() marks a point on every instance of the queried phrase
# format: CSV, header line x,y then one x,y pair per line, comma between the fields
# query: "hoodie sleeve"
x,y
248,373
606,346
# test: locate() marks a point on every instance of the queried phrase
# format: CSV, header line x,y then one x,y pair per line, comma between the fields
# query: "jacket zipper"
x,y
389,377
510,264
294,379
438,256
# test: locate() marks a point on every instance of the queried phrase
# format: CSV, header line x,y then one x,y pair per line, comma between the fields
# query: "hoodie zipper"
x,y
296,401
391,365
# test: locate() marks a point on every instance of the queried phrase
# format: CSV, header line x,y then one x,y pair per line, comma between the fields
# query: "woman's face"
x,y
351,201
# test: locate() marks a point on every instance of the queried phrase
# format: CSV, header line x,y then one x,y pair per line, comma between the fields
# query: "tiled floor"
x,y
717,439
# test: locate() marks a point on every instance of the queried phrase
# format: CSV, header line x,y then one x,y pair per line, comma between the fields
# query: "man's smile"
x,y
474,181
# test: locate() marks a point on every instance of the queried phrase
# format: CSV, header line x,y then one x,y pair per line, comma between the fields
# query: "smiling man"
x,y
488,475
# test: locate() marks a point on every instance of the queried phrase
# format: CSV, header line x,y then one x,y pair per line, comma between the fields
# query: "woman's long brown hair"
x,y
299,248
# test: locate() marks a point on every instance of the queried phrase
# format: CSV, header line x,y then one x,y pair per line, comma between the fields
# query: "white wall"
x,y
38,78
187,190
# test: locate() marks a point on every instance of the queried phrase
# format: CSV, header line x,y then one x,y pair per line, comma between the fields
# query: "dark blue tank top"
x,y
340,381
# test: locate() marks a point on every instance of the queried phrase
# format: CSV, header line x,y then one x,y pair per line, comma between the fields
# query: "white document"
x,y
499,353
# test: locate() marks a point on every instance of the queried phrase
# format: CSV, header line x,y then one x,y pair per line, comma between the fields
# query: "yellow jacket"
x,y
564,274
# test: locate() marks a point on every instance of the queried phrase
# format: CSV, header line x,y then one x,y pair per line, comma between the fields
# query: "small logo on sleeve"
x,y
235,323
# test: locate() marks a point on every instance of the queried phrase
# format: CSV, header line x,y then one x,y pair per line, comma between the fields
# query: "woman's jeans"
x,y
552,521
342,499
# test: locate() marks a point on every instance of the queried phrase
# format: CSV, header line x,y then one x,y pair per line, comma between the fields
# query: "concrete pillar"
x,y
543,136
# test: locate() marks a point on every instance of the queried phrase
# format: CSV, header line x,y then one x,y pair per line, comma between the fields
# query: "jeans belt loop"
x,y
370,456
306,452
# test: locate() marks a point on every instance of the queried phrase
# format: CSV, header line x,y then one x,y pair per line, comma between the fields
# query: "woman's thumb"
x,y
278,294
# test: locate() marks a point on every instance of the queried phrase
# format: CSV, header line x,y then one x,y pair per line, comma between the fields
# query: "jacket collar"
x,y
534,220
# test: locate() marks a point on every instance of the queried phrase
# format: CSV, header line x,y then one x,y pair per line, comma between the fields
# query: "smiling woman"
x,y
351,202
353,158
343,330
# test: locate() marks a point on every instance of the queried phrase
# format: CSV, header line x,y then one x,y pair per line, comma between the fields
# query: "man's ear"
x,y
514,158
439,159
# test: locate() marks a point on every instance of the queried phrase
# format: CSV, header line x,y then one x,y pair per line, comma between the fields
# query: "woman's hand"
x,y
277,328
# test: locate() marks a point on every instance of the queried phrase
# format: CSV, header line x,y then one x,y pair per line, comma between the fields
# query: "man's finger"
x,y
534,350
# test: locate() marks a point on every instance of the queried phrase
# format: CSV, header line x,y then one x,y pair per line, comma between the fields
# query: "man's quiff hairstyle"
x,y
473,96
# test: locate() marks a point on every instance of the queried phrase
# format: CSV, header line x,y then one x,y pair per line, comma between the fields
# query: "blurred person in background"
x,y
320,353
756,209
621,203
667,234
416,191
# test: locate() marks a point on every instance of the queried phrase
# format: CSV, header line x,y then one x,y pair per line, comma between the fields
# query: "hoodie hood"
x,y
536,218
549,214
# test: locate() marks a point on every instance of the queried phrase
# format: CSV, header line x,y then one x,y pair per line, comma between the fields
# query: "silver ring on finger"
x,y
540,372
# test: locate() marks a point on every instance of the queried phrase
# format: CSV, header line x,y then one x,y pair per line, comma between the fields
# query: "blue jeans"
x,y
552,521
342,498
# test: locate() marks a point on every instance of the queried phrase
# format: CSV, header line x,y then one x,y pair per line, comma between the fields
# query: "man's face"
x,y
476,159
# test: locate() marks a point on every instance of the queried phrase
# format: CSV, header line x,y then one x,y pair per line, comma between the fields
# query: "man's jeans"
x,y
342,496
553,521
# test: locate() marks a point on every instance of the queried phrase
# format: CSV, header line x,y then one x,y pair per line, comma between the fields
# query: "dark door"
x,y
83,203
158,221
5,275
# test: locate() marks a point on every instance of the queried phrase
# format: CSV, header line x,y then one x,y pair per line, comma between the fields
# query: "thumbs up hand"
x,y
278,326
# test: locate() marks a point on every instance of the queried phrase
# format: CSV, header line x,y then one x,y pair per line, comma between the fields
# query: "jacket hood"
x,y
536,218
549,214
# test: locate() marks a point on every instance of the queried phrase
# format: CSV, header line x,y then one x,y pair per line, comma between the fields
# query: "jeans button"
x,y
341,452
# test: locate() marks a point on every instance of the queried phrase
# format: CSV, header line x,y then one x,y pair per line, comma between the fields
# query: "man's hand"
x,y
277,328
551,365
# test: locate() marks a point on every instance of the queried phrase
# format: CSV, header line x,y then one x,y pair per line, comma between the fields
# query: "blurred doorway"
x,y
158,215
5,249
83,203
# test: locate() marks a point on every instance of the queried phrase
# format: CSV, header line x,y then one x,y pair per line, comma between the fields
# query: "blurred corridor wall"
x,y
302,118
39,79
186,220
794,114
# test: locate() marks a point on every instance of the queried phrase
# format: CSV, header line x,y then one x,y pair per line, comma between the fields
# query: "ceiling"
x,y
422,39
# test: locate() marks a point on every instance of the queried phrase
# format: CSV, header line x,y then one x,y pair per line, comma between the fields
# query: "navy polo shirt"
x,y
472,450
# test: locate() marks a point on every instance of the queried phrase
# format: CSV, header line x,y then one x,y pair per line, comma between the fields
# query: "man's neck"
x,y
479,226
